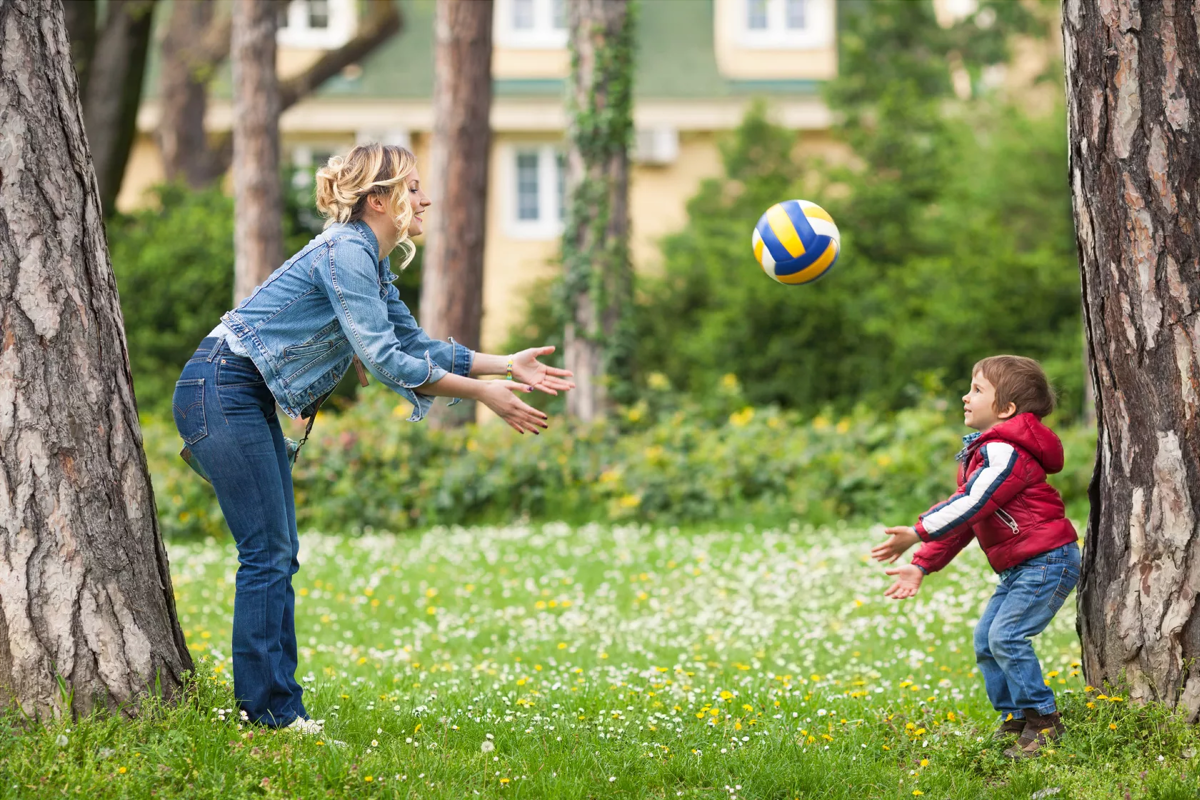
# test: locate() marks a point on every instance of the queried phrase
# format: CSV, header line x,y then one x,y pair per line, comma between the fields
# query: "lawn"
x,y
609,662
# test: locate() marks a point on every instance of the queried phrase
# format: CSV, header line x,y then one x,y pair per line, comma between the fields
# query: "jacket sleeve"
x,y
351,280
450,356
936,554
993,483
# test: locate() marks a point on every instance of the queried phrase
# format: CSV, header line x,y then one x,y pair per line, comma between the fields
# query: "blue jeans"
x,y
1028,597
226,414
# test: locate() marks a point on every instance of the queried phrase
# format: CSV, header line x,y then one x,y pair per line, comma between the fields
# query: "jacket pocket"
x,y
1008,520
300,351
188,409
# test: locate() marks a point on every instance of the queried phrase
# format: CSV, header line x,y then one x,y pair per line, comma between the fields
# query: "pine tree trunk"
x,y
114,92
257,191
85,588
1133,98
597,274
452,268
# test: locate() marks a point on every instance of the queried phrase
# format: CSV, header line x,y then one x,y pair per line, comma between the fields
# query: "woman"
x,y
290,343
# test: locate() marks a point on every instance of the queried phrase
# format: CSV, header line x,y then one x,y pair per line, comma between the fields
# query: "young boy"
x,y
1003,500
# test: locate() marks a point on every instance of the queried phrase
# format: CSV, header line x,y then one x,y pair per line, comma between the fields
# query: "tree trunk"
x,y
196,45
114,92
1133,97
257,193
85,588
81,28
597,275
452,268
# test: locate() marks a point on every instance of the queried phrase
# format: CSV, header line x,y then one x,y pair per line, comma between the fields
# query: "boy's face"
x,y
979,405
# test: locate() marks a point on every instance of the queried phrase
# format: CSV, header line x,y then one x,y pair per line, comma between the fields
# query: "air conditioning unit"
x,y
656,145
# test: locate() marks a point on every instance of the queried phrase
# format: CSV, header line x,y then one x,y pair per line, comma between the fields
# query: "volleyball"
x,y
796,242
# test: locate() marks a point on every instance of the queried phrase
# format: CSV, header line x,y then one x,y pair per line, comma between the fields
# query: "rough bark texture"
x,y
257,193
596,265
114,91
85,588
1133,97
452,269
197,43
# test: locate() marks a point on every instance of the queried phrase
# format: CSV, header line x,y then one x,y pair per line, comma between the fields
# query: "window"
x,y
531,24
786,24
538,191
323,24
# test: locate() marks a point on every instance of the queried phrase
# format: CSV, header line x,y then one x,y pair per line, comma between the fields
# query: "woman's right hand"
x,y
500,397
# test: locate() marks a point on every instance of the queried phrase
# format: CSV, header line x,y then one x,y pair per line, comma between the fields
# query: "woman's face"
x,y
419,202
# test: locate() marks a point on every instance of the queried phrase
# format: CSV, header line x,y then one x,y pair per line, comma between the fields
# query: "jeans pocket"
x,y
188,408
1068,577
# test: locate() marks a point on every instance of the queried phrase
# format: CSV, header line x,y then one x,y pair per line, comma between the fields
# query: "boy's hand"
x,y
899,539
908,581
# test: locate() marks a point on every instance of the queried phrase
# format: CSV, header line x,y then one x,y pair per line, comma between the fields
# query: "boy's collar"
x,y
968,440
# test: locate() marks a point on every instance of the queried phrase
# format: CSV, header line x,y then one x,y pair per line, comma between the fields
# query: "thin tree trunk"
x,y
257,193
452,268
81,28
1133,98
596,267
85,588
114,92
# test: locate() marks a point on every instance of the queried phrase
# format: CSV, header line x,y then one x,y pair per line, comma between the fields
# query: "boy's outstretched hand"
x,y
899,539
908,581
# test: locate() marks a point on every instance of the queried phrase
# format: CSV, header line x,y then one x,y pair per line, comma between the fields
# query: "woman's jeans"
x,y
1028,597
226,414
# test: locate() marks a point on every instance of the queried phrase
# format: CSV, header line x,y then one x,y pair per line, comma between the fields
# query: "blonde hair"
x,y
345,183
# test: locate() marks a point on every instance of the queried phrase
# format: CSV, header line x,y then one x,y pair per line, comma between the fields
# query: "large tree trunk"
x,y
257,193
85,588
452,269
196,45
114,92
596,269
1133,100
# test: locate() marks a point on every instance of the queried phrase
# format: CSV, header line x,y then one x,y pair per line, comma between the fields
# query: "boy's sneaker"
x,y
302,725
1039,731
1013,726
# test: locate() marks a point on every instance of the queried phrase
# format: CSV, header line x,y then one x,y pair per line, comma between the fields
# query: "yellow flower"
x,y
1089,688
368,779
924,762
630,501
843,425
658,381
1112,726
122,770
729,381
918,792
739,419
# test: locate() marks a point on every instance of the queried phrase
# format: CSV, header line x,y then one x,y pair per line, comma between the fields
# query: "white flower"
x,y
487,747
61,741
612,778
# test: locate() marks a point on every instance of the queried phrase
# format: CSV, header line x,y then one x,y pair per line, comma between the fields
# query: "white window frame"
x,y
302,157
817,32
550,219
296,33
542,36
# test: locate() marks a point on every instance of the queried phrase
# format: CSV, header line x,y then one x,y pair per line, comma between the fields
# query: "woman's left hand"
x,y
527,369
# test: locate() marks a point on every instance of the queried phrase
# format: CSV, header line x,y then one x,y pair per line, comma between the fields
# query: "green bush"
x,y
666,460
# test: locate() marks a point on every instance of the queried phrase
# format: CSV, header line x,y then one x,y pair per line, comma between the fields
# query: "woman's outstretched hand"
x,y
500,397
527,369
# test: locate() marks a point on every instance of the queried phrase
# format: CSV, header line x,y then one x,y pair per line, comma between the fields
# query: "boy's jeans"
x,y
225,413
1026,600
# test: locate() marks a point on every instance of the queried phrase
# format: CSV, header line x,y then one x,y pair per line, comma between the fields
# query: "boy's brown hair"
x,y
1020,381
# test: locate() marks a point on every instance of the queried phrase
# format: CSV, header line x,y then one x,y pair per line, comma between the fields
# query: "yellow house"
x,y
700,63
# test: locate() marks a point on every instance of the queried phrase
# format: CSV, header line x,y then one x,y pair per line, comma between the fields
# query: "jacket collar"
x,y
365,231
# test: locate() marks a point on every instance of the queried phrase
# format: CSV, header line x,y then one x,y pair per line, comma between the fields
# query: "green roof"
x,y
675,59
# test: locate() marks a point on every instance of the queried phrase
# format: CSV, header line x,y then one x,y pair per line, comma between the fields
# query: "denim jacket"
x,y
331,301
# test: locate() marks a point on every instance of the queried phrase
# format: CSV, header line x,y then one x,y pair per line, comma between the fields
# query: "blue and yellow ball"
x,y
796,242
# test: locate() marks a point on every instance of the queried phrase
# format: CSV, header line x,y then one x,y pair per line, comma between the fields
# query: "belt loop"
x,y
216,348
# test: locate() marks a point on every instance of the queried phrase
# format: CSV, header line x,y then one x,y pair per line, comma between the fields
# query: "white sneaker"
x,y
307,725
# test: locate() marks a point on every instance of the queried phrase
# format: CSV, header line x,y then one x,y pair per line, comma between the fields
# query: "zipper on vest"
x,y
1008,520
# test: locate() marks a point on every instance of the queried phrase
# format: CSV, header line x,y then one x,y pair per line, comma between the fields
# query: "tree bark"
x,y
196,45
114,92
596,267
85,587
452,267
257,193
1133,96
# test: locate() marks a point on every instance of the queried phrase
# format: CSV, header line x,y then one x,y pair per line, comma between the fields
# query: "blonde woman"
x,y
290,343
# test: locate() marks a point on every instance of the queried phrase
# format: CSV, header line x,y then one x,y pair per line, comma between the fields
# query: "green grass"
x,y
608,662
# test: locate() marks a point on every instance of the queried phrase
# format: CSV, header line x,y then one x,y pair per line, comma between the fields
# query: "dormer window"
x,y
531,24
784,24
316,24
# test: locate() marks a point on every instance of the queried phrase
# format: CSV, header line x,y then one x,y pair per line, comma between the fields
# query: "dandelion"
x,y
487,746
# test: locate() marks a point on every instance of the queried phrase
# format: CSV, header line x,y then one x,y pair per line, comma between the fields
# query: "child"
x,y
1003,500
